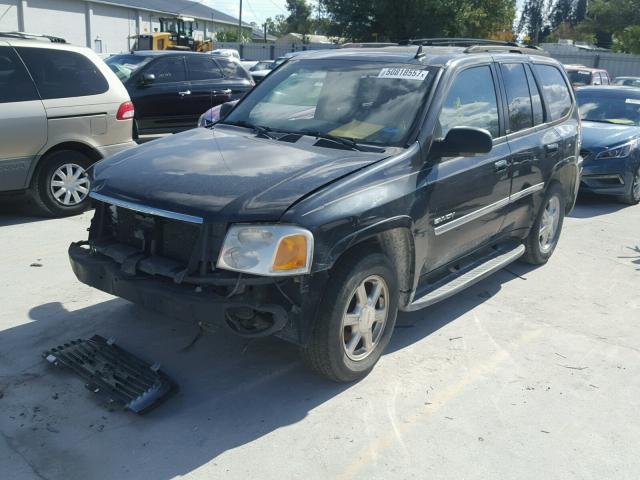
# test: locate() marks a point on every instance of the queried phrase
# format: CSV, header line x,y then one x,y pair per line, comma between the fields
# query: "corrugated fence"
x,y
617,64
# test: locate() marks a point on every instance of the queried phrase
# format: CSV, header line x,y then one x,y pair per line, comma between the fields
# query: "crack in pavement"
x,y
9,441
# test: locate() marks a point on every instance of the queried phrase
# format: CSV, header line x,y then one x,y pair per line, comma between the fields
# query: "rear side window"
x,y
597,79
15,83
168,69
471,102
605,78
536,99
518,99
555,91
232,69
63,74
202,68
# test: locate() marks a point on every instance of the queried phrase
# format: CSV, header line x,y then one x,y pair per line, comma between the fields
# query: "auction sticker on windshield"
x,y
633,101
403,73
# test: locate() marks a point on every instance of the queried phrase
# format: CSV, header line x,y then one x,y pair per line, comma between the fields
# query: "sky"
x,y
252,10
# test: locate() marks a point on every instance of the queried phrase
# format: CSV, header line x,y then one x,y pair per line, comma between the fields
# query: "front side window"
x,y
555,91
168,70
15,83
518,98
202,68
471,102
232,69
367,101
597,79
63,74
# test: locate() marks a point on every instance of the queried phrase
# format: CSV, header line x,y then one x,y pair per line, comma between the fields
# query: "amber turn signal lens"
x,y
291,254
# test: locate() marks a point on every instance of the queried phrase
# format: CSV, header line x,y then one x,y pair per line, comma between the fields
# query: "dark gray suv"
x,y
348,185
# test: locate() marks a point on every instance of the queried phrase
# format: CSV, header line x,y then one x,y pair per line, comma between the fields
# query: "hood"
x,y
227,173
600,136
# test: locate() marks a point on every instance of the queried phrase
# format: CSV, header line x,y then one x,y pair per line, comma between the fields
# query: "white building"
x,y
107,25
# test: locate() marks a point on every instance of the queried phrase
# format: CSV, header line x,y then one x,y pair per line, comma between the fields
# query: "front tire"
x,y
633,195
545,233
61,184
356,319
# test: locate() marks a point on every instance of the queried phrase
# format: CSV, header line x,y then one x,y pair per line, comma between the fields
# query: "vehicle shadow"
x,y
589,206
18,209
232,392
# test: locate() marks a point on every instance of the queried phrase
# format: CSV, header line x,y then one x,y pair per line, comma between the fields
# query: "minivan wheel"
x,y
61,186
633,196
356,319
545,233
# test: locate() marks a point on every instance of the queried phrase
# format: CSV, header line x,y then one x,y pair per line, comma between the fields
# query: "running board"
x,y
466,277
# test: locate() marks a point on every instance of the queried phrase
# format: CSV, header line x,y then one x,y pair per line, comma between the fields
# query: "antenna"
x,y
419,53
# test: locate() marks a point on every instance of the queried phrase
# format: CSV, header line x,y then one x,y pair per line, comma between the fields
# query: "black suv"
x,y
350,184
171,89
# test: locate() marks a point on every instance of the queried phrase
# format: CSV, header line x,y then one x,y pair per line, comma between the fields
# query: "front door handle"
x,y
186,92
500,165
552,147
222,92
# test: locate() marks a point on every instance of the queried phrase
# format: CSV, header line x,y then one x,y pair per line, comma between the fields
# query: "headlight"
x,y
620,151
272,250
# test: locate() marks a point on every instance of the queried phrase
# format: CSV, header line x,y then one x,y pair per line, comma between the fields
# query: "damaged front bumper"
x,y
198,303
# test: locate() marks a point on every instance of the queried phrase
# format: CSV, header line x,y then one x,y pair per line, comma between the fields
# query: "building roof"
x,y
185,8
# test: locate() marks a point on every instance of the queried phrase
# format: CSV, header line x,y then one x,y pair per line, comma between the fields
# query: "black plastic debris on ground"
x,y
113,371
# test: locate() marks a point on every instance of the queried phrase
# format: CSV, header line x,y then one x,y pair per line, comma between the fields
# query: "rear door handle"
x,y
186,92
500,165
552,148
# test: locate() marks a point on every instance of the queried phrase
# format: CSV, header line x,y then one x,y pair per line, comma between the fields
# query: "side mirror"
x,y
464,141
147,79
225,108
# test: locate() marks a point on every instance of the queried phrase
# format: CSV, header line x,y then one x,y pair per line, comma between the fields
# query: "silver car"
x,y
61,110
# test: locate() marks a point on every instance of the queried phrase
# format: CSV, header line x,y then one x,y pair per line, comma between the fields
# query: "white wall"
x,y
113,25
9,15
60,18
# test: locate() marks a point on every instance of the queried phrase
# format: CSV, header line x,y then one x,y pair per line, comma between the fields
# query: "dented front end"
x,y
167,263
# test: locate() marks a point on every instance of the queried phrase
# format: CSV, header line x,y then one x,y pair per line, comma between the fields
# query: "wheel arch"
x,y
394,238
76,146
566,174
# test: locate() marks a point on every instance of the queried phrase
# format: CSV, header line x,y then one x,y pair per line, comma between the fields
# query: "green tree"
x,y
299,19
533,20
276,26
628,40
378,20
615,21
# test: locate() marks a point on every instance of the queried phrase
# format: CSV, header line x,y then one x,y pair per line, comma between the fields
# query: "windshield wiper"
x,y
347,142
259,129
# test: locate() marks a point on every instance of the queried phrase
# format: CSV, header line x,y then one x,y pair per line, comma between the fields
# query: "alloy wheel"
x,y
549,224
365,317
70,184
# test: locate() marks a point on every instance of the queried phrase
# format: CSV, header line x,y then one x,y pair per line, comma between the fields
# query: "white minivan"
x,y
61,110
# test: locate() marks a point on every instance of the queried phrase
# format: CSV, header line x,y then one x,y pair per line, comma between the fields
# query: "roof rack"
x,y
476,45
32,36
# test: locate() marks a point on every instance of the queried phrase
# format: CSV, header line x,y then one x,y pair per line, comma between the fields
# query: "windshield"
x,y
368,102
579,77
262,66
618,109
125,65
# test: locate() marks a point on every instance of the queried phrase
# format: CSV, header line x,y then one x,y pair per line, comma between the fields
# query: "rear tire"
x,y
61,186
545,232
354,325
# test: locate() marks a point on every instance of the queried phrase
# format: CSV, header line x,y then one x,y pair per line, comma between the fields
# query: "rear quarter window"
x,y
555,91
63,74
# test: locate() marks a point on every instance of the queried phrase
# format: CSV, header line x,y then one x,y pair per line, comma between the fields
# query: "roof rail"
x,y
368,45
525,50
33,36
476,45
455,42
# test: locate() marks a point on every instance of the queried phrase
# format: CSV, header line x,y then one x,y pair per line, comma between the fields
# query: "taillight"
x,y
125,112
